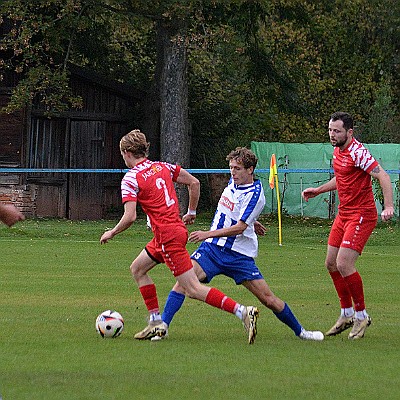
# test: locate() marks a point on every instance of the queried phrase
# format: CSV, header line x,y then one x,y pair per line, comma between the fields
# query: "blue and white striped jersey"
x,y
239,203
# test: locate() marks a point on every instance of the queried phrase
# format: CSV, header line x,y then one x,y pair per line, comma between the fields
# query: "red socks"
x,y
217,299
149,295
341,289
214,298
348,288
355,285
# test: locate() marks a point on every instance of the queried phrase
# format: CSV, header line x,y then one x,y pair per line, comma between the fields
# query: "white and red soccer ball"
x,y
109,324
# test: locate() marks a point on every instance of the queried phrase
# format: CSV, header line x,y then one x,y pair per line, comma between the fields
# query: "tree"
x,y
380,125
46,35
227,72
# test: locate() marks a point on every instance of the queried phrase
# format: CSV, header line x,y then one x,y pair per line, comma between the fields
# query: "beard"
x,y
338,143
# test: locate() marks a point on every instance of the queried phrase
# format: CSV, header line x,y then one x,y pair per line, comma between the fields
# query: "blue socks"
x,y
172,305
287,317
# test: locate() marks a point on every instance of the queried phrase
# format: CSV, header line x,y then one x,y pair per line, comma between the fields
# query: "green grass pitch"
x,y
55,278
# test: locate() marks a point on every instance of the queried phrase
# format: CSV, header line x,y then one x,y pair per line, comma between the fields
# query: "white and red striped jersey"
x,y
239,203
150,183
353,181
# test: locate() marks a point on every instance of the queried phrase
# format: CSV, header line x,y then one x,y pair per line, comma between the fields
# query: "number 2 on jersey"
x,y
160,183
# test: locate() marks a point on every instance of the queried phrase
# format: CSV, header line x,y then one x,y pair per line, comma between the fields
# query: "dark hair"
x,y
244,156
345,117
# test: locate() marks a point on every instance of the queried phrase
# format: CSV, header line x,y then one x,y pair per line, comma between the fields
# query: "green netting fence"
x,y
302,165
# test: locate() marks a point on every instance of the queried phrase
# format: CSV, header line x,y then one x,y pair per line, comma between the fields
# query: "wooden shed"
x,y
77,139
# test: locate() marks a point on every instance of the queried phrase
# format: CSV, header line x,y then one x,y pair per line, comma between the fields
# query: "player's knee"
x,y
136,271
330,264
192,289
191,292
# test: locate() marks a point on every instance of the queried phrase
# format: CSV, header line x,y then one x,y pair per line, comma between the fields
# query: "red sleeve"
x,y
372,166
175,172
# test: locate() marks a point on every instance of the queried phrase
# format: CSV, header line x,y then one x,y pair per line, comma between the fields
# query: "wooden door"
x,y
86,152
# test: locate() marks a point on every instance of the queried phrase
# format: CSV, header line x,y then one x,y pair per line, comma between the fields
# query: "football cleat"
x,y
311,335
161,337
249,319
359,327
341,325
154,328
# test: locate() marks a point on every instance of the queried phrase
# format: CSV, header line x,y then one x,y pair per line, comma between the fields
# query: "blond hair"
x,y
136,143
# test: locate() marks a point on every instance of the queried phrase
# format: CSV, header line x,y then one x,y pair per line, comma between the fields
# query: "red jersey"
x,y
150,183
353,181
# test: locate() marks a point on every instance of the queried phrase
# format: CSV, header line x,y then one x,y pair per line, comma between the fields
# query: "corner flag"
x,y
272,171
273,176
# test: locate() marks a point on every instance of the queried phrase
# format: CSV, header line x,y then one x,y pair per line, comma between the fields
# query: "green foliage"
x,y
37,44
292,63
381,127
43,37
258,70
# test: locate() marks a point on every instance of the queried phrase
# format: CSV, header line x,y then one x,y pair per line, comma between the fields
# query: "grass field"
x,y
55,278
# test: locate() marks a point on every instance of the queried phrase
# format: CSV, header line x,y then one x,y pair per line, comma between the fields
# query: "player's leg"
x,y
262,291
176,296
282,311
346,318
140,267
178,261
189,282
204,272
356,232
346,265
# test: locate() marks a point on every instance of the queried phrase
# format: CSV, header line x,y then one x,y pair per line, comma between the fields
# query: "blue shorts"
x,y
217,260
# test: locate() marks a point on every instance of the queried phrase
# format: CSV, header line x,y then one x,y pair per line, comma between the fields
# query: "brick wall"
x,y
21,196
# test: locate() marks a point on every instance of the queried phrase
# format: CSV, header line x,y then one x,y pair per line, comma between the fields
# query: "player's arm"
x,y
193,185
313,192
124,223
234,230
384,180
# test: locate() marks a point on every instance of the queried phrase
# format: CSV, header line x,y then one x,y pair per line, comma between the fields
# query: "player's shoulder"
x,y
167,165
358,150
130,174
356,147
258,184
251,189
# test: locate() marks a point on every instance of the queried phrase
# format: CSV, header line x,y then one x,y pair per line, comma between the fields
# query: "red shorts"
x,y
352,231
169,246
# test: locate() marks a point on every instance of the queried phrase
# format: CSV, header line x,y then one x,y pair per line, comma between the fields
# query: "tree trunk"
x,y
174,122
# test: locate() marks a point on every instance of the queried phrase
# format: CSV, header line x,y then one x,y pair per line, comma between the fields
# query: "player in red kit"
x,y
151,183
353,166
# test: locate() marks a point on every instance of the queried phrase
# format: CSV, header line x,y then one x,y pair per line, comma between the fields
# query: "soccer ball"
x,y
109,324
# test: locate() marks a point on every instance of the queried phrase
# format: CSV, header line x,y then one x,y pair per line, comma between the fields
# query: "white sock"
x,y
361,314
347,312
155,317
239,312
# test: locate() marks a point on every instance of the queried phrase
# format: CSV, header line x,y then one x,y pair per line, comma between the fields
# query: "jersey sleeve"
x,y
129,189
175,170
364,159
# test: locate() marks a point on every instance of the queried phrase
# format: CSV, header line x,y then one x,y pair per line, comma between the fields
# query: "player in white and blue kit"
x,y
230,246
233,256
